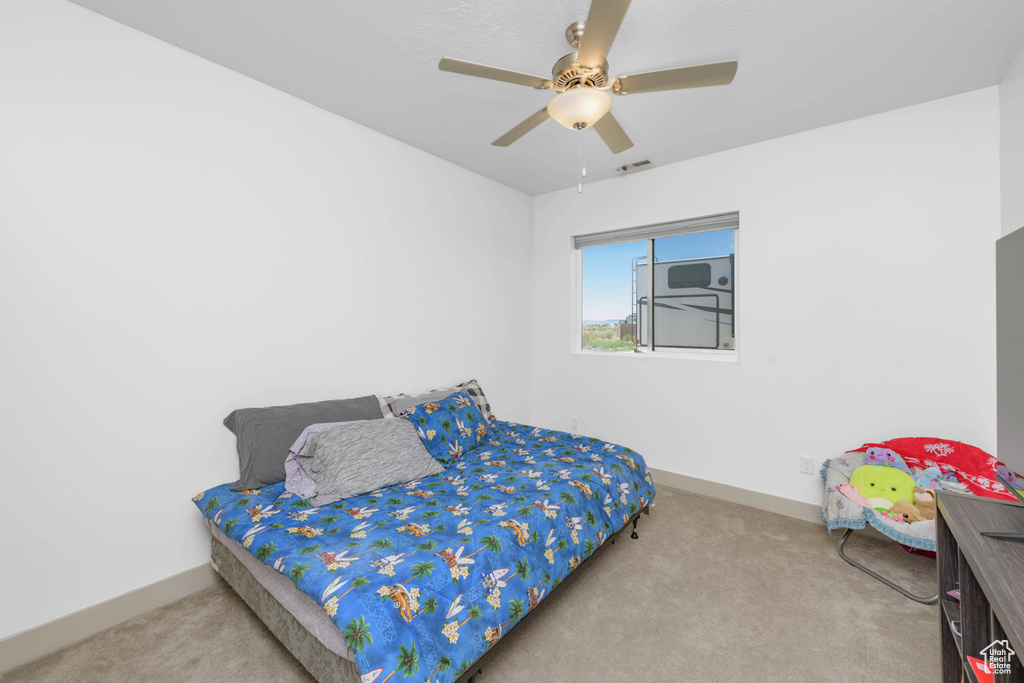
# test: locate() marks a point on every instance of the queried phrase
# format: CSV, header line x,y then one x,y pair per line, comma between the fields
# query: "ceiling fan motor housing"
x,y
569,73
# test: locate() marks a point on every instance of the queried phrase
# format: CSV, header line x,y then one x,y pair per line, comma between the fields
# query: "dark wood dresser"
x,y
988,619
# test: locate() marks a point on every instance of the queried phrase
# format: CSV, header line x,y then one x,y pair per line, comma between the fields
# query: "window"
x,y
693,284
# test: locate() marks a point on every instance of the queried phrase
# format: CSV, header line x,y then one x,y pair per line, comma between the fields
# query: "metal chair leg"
x,y
924,601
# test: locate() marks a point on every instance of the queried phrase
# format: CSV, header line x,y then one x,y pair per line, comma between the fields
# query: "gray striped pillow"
x,y
354,458
393,406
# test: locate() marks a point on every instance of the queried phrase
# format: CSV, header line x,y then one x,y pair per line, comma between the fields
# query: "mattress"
x,y
325,665
309,615
423,578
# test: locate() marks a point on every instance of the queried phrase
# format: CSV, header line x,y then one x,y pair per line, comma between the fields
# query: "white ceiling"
x,y
802,65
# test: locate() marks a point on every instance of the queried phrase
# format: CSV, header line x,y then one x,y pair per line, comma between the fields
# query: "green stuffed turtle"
x,y
879,481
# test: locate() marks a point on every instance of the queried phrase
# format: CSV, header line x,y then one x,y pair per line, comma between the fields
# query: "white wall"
x,y
865,301
177,241
1011,157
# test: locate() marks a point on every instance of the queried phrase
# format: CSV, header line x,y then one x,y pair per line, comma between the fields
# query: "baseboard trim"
x,y
23,647
762,501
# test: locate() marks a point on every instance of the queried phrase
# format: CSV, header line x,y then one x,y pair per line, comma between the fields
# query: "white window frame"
x,y
649,233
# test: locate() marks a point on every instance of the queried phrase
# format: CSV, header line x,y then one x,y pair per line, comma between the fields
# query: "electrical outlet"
x,y
574,424
806,465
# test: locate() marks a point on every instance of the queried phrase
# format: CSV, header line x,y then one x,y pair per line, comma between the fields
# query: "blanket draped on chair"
x,y
973,466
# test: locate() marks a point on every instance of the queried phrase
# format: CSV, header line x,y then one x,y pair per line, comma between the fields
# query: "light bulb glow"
x,y
584,105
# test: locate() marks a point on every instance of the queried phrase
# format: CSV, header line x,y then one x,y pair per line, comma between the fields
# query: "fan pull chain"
x,y
583,146
583,162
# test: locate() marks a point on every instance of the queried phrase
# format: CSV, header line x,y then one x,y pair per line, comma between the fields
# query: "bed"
x,y
424,578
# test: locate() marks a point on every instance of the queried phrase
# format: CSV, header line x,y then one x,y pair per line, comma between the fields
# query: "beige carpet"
x,y
711,591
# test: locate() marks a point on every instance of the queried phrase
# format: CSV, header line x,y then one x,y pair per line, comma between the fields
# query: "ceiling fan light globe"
x,y
583,105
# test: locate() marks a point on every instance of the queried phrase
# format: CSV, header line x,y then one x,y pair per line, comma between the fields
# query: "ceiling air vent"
x,y
635,166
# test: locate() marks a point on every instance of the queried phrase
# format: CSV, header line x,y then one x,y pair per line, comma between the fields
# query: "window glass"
x,y
693,277
693,287
609,292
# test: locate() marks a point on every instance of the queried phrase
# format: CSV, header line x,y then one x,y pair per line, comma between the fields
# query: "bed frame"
x,y
319,660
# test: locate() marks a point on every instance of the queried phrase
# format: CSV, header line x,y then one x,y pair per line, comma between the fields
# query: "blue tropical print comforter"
x,y
422,578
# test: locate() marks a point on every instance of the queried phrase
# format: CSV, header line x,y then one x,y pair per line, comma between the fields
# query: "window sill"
x,y
716,355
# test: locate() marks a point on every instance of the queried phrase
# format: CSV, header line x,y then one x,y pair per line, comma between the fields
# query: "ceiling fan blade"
x,y
612,134
701,76
459,66
522,129
598,33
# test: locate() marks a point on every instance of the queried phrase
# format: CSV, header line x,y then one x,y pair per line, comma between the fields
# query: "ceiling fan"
x,y
581,79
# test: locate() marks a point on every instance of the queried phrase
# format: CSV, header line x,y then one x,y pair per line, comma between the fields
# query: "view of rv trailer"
x,y
693,306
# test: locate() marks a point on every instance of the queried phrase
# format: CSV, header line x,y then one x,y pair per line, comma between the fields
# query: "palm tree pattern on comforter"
x,y
422,578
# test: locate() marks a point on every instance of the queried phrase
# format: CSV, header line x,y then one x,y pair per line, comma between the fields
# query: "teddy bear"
x,y
906,511
924,501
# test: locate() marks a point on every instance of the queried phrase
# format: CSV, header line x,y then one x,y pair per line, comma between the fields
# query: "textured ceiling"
x,y
802,65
